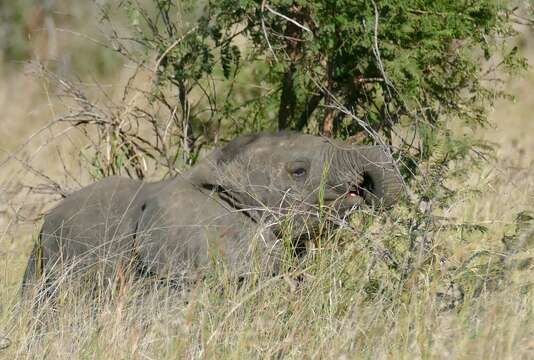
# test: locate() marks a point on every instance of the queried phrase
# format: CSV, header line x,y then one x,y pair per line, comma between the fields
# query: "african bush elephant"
x,y
229,209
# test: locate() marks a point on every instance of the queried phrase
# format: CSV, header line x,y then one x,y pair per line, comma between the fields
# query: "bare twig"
x,y
303,27
265,30
171,47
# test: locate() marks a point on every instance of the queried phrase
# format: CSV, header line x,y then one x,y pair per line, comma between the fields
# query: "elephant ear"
x,y
216,169
206,173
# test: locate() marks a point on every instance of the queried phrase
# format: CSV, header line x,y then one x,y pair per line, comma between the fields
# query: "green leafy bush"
x,y
398,70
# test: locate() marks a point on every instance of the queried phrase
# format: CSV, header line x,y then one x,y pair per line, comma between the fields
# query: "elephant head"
x,y
271,173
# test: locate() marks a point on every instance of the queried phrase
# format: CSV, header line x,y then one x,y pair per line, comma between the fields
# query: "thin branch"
x,y
171,47
288,19
265,30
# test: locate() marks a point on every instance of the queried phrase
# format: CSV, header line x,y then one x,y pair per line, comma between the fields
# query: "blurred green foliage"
x,y
59,33
13,41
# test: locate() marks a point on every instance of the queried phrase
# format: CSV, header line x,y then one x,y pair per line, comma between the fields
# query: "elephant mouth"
x,y
365,191
351,199
348,195
344,201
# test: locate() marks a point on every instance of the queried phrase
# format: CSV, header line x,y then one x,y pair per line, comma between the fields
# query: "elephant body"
x,y
227,210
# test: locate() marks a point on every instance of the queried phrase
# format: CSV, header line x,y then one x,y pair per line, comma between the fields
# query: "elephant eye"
x,y
298,169
300,172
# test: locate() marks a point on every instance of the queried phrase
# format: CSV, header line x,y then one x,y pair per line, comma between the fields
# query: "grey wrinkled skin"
x,y
229,209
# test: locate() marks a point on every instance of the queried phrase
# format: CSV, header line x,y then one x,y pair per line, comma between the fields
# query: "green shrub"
x,y
397,70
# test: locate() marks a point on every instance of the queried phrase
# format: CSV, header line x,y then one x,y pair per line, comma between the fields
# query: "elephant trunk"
x,y
370,171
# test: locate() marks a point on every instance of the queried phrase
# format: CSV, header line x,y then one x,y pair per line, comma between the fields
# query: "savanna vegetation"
x,y
145,88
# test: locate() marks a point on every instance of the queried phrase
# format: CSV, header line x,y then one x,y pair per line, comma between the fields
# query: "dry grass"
x,y
330,315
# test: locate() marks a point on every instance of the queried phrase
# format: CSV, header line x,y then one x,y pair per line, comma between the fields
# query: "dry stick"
x,y
265,30
264,6
286,18
83,36
376,51
172,46
99,118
